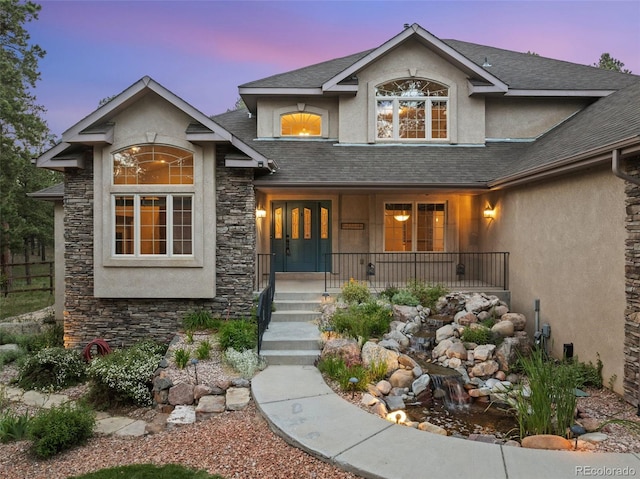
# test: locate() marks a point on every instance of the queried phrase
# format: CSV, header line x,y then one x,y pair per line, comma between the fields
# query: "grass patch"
x,y
148,471
15,304
199,320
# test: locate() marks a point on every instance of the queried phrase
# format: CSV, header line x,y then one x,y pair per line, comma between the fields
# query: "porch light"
x,y
404,216
489,212
260,213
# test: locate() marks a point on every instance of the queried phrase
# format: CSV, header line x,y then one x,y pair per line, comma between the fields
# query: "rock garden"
x,y
460,364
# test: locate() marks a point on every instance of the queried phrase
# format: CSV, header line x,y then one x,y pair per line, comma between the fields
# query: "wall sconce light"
x,y
260,213
402,217
489,212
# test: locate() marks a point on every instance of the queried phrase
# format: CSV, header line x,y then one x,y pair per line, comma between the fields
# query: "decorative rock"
x,y
476,393
499,311
401,378
209,406
380,408
467,319
400,338
455,363
485,368
483,315
411,328
590,424
488,438
181,394
417,372
407,361
368,400
477,303
504,328
420,384
457,350
373,391
346,349
445,332
519,320
241,383
594,437
237,398
404,313
484,352
441,348
500,375
391,344
394,403
513,378
506,353
432,428
223,384
384,387
371,352
161,383
547,441
512,443
201,390
180,416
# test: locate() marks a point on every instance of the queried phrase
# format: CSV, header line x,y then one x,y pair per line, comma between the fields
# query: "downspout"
x,y
616,167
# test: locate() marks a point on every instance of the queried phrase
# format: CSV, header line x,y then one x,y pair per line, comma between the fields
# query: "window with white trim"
x,y
412,109
152,198
301,124
414,227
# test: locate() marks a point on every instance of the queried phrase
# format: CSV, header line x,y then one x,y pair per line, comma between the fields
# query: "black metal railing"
x,y
263,270
452,269
265,299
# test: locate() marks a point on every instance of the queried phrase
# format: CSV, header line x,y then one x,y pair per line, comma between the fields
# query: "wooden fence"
x,y
23,282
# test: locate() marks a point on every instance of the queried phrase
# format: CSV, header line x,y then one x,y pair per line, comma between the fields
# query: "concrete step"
x,y
290,357
296,305
314,296
301,316
291,335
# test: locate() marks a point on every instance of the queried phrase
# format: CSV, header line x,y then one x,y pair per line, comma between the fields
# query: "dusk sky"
x,y
202,50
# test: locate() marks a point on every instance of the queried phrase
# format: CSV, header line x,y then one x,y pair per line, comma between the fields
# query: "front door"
x,y
300,234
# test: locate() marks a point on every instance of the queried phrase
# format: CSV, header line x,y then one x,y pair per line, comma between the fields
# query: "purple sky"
x,y
202,50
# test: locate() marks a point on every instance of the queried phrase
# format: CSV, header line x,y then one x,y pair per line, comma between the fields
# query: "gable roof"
x,y
96,128
510,73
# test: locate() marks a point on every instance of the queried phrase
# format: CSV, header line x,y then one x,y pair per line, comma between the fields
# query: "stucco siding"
x,y
567,239
508,118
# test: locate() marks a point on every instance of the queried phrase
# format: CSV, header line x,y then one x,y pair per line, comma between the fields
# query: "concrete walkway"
x,y
302,409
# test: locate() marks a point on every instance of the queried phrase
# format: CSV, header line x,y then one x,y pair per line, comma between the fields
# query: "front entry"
x,y
301,235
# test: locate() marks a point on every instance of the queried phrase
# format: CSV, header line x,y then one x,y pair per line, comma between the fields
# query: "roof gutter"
x,y
616,167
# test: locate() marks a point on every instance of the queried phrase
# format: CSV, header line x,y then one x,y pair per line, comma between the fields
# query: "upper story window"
x,y
152,200
411,109
301,124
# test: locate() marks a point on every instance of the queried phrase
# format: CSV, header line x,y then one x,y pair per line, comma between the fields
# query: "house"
x,y
438,159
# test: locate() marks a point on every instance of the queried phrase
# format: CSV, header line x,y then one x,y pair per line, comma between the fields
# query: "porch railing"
x,y
264,302
452,269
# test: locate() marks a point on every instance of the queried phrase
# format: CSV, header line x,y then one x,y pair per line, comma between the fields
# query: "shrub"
x,y
246,362
124,376
426,294
13,427
200,319
7,357
364,320
405,297
355,291
239,334
60,428
588,374
203,351
50,337
389,292
181,357
335,368
480,335
52,368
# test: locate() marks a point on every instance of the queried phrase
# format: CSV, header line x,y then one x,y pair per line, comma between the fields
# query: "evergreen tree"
x,y
23,135
607,62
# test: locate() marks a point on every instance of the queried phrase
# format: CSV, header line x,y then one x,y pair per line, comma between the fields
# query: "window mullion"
x,y
169,225
396,118
136,225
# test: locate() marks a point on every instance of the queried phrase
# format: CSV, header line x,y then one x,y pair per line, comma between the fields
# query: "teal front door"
x,y
300,234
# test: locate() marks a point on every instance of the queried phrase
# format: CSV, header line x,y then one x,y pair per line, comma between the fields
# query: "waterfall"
x,y
455,395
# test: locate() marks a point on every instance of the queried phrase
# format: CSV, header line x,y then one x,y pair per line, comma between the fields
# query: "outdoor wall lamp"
x,y
260,213
402,216
489,212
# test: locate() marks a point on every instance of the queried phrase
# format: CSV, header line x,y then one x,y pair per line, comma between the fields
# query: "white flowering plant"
x,y
125,374
246,362
52,369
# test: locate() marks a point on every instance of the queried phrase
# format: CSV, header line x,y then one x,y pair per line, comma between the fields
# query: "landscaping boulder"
x,y
420,384
209,406
485,368
401,378
441,348
519,320
547,441
373,353
503,328
181,394
404,313
432,428
457,350
346,349
237,398
445,332
484,352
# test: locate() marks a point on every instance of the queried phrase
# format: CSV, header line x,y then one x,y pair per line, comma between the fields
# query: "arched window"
x,y
157,221
413,109
301,124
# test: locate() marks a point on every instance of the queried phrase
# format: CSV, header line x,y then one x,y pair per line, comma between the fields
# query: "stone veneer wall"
x,y
632,315
123,322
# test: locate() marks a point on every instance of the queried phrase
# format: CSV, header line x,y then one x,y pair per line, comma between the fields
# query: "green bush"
x,y
239,334
355,291
52,369
246,362
13,427
480,335
427,294
588,374
60,428
124,376
335,368
203,351
199,320
51,336
363,320
404,297
389,292
7,357
181,357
